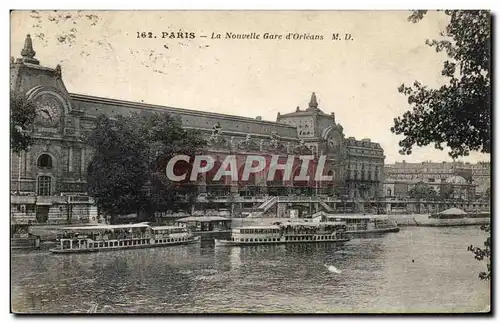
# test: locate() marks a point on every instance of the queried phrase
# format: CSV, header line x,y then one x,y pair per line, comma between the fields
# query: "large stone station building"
x,y
48,181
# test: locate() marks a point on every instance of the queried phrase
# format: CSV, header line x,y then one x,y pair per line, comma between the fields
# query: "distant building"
x,y
454,187
469,181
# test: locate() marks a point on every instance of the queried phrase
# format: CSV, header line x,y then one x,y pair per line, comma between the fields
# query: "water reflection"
x,y
235,258
371,275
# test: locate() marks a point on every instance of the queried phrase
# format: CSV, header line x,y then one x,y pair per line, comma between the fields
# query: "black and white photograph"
x,y
250,161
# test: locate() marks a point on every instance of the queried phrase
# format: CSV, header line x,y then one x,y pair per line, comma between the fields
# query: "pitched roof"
x,y
203,219
453,211
107,227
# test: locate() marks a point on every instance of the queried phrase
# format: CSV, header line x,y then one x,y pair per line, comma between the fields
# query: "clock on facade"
x,y
48,111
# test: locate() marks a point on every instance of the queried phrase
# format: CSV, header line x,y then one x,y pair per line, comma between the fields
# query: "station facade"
x,y
48,182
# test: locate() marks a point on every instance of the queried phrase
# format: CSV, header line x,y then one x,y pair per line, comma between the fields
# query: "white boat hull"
x,y
230,243
370,232
132,246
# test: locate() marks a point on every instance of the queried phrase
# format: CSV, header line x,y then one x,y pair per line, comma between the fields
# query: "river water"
x,y
415,270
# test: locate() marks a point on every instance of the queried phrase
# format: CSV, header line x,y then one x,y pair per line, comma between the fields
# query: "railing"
x,y
17,199
52,199
314,199
80,199
297,198
238,199
449,201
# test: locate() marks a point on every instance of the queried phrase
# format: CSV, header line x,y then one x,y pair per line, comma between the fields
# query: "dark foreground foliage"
x,y
458,114
484,253
22,117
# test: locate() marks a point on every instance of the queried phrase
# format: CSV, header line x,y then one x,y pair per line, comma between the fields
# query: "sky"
x,y
357,79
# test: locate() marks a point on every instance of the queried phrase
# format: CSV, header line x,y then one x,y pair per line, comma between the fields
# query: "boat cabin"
x,y
107,232
362,222
289,232
270,233
107,237
169,231
104,235
206,223
258,230
332,226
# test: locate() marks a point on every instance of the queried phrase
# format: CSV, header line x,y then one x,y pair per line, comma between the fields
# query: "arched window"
x,y
44,161
44,185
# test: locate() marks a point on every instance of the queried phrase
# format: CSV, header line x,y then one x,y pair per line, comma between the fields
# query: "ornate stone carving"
x,y
248,143
216,139
58,70
301,148
27,52
275,144
85,134
216,129
313,103
274,138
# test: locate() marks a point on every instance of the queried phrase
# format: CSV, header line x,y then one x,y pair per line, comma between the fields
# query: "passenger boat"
x,y
122,236
290,232
452,217
364,225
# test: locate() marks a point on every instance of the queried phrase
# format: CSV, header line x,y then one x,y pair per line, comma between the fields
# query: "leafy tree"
x,y
457,114
22,116
422,192
117,170
446,191
127,173
483,253
166,138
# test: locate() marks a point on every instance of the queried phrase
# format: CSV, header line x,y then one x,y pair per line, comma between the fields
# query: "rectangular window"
x,y
44,186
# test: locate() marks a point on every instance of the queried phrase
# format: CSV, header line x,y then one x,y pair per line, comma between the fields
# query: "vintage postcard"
x,y
287,162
